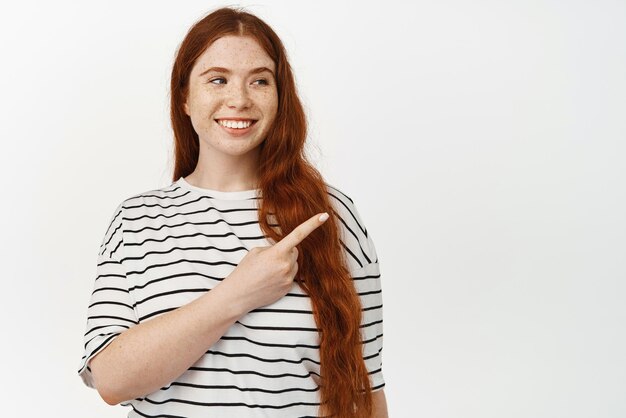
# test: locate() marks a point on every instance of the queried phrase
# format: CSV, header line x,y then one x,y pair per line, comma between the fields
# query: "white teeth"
x,y
235,124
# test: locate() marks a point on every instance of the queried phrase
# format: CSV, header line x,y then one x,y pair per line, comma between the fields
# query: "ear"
x,y
186,108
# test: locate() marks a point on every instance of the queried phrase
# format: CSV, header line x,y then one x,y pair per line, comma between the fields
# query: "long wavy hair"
x,y
292,190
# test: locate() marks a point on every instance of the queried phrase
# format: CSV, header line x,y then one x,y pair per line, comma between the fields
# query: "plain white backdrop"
x,y
483,143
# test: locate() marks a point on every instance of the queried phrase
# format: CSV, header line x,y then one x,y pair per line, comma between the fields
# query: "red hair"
x,y
292,190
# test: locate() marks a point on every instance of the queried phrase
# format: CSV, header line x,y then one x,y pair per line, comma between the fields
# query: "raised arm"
x,y
151,354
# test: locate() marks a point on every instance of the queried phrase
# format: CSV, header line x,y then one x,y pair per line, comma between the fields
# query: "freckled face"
x,y
232,98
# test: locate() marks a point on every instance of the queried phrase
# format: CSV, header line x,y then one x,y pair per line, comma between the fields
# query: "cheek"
x,y
268,98
274,110
271,104
202,101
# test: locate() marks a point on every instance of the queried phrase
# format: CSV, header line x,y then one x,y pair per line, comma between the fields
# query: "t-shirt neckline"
x,y
217,194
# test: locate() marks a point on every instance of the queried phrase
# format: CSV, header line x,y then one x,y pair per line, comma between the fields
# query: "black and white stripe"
x,y
166,247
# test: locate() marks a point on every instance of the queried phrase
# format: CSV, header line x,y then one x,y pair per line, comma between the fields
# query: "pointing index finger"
x,y
302,231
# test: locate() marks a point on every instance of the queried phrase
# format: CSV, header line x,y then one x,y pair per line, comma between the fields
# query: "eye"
x,y
213,81
263,81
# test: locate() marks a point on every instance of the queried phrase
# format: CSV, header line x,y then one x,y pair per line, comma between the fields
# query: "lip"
x,y
237,132
226,118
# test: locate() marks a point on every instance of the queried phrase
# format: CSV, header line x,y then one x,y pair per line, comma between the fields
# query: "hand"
x,y
266,274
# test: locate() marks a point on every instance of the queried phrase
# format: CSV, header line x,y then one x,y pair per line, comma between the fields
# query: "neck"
x,y
226,173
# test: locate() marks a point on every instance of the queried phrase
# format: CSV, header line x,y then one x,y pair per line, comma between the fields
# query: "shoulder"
x,y
135,207
356,240
346,209
150,203
153,196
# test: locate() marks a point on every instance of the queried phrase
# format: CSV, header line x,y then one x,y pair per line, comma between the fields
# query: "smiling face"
x,y
232,98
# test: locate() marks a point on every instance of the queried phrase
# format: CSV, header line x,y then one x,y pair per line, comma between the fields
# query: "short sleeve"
x,y
367,283
364,267
111,308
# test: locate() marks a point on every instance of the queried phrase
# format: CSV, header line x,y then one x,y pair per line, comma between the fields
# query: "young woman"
x,y
248,287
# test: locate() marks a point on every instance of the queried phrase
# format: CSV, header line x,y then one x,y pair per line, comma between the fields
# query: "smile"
x,y
236,128
235,124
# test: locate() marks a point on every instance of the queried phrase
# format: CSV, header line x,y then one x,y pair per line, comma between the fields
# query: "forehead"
x,y
237,53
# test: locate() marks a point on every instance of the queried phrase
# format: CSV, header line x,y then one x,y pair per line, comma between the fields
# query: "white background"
x,y
483,143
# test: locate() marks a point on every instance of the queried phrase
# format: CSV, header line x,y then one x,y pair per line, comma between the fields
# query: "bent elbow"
x,y
107,393
109,397
102,383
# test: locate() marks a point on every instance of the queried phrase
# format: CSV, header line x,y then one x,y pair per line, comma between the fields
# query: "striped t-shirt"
x,y
166,247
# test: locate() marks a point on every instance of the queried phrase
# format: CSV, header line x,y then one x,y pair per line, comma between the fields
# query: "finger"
x,y
302,231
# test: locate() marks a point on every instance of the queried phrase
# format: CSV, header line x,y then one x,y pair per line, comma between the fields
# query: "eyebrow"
x,y
227,71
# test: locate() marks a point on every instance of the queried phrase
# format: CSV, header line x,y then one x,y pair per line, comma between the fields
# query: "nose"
x,y
238,96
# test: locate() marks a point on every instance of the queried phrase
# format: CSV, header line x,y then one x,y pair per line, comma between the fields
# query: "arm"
x,y
151,354
379,409
370,291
